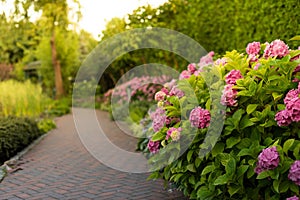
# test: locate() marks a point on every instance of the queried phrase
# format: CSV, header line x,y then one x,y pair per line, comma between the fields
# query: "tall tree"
x,y
54,19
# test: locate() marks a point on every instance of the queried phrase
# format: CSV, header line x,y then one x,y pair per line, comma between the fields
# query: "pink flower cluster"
x,y
253,48
174,133
153,146
199,117
277,48
292,108
233,76
206,60
159,96
221,61
229,95
145,85
293,198
192,68
176,92
158,119
267,159
294,173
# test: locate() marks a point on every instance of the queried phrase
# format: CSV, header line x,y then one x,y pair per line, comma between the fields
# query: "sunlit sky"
x,y
96,13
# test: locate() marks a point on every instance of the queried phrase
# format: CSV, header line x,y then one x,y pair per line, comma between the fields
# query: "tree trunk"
x,y
57,69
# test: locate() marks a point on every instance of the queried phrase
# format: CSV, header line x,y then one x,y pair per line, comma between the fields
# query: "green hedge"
x,y
226,25
15,134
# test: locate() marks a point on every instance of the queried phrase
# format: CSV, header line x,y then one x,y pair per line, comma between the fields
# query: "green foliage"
x,y
223,167
67,44
45,125
21,99
59,107
15,134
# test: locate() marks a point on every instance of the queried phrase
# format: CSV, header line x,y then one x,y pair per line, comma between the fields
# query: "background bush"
x,y
21,99
15,134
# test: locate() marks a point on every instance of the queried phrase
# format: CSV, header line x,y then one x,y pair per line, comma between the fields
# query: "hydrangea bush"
x,y
257,96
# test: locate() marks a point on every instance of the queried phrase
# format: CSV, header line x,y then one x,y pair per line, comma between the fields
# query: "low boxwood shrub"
x,y
239,116
15,134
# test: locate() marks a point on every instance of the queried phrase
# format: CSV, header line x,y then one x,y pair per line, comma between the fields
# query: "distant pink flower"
x,y
277,48
229,96
294,173
176,92
153,146
158,119
221,61
283,118
165,90
267,159
293,198
170,84
185,74
253,48
206,60
233,76
257,66
192,68
174,133
294,109
199,117
160,96
253,58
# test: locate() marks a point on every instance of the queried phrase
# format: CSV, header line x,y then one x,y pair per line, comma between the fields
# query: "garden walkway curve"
x,y
60,167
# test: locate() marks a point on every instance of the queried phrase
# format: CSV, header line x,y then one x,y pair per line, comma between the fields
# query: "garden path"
x,y
59,167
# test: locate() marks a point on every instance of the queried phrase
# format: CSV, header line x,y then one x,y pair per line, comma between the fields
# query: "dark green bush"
x,y
15,134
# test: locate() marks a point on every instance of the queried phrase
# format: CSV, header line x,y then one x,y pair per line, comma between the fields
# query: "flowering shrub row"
x,y
256,97
138,88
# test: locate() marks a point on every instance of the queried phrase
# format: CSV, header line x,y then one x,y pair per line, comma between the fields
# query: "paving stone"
x,y
60,167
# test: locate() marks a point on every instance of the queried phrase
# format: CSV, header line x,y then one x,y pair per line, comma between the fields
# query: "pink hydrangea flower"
x,y
165,90
169,85
206,60
267,159
293,198
192,68
159,96
174,133
291,95
233,76
158,119
277,48
294,109
176,92
229,96
170,120
294,173
185,74
283,118
153,146
221,61
253,48
199,117
253,58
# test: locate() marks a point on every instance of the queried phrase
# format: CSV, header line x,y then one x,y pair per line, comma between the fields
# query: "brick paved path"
x,y
59,167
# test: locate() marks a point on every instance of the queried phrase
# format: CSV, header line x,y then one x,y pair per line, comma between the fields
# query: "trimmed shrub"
x,y
15,134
